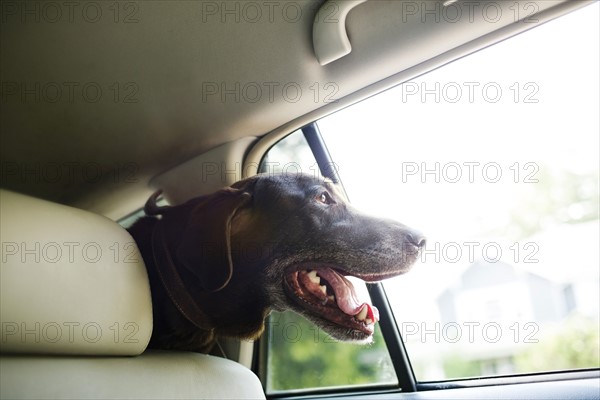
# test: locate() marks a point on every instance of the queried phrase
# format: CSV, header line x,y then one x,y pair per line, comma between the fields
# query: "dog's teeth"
x,y
331,297
368,321
323,289
312,275
362,314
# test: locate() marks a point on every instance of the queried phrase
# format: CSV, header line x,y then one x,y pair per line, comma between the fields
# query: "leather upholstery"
x,y
72,282
153,375
75,306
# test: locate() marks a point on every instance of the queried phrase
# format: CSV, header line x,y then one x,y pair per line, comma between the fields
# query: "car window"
x,y
495,158
298,354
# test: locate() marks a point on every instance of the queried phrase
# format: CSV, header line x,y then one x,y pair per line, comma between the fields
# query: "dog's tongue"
x,y
345,295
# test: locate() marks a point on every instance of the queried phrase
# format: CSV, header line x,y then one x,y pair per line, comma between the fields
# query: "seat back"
x,y
76,314
72,282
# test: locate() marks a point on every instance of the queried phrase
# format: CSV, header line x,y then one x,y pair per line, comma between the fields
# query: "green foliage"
x,y
455,366
557,197
303,356
576,345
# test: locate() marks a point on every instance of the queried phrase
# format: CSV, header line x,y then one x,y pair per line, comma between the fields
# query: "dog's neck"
x,y
169,331
172,282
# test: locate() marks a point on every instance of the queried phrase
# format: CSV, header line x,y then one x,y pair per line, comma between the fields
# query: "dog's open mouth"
x,y
328,294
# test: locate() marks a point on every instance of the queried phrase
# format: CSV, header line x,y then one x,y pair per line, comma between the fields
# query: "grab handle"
x,y
330,39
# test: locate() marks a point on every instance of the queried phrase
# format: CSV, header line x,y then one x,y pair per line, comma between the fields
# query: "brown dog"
x,y
219,264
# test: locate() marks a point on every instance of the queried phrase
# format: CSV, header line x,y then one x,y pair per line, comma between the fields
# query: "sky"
x,y
506,132
546,119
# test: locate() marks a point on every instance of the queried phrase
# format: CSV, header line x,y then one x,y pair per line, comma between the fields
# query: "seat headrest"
x,y
71,282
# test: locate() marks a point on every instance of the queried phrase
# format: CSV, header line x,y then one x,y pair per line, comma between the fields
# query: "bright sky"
x,y
505,132
556,65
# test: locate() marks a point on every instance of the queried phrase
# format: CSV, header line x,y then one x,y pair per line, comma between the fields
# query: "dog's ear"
x,y
205,248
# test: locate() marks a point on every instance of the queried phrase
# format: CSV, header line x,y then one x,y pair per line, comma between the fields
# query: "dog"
x,y
219,264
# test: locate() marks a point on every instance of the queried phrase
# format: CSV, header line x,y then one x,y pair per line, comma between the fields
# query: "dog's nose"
x,y
416,238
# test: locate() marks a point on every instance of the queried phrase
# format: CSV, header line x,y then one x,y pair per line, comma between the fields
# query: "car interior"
x,y
105,102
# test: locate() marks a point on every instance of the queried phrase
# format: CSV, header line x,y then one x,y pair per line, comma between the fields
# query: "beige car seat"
x,y
76,315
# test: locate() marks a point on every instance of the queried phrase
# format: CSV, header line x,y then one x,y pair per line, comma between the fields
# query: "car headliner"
x,y
171,62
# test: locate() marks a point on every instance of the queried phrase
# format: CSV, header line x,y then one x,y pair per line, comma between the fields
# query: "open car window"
x,y
495,158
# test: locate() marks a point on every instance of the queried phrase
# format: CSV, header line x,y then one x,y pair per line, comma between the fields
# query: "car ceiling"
x,y
163,61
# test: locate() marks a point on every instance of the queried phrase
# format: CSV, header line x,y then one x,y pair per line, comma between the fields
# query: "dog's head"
x,y
277,242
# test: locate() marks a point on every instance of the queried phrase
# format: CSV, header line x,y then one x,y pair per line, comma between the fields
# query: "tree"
x,y
302,356
576,345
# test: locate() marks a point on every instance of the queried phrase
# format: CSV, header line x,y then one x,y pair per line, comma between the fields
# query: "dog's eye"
x,y
325,198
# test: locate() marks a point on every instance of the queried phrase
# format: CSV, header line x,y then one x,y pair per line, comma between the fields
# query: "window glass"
x,y
495,158
299,355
